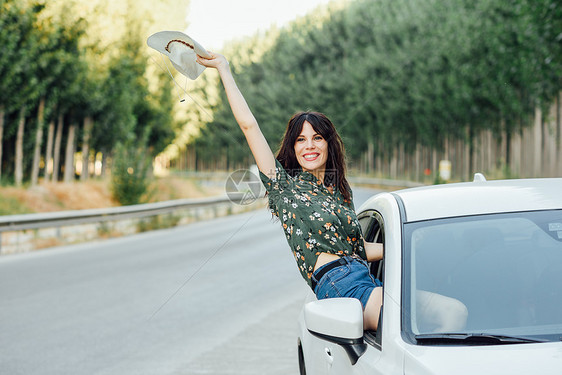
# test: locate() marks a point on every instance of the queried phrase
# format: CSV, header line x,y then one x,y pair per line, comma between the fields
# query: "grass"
x,y
49,197
12,206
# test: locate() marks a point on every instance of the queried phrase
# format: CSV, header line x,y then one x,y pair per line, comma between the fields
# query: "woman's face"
x,y
311,150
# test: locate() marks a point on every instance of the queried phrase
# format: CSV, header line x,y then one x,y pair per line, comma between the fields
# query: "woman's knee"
x,y
455,313
445,313
372,309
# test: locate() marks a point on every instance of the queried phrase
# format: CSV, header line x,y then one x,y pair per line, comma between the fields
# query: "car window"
x,y
506,269
372,226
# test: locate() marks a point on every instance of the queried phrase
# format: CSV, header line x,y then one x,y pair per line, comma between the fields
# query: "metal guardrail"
x,y
356,180
384,182
65,218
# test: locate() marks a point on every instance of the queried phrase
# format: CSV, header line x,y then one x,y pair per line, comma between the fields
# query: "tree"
x,y
398,74
17,68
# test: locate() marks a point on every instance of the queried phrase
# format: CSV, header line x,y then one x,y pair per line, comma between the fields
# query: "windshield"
x,y
506,269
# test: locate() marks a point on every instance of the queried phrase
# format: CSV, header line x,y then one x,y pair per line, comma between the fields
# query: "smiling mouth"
x,y
311,157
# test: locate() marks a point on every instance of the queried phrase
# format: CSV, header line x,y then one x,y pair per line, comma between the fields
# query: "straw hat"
x,y
181,50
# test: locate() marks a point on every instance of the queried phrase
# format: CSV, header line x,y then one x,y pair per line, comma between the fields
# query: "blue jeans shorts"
x,y
351,279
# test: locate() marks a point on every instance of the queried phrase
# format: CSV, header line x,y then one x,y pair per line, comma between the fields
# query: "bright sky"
x,y
213,22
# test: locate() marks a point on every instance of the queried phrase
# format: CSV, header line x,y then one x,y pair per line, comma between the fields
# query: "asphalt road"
x,y
215,297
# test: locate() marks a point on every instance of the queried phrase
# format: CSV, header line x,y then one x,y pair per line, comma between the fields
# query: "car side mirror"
x,y
340,321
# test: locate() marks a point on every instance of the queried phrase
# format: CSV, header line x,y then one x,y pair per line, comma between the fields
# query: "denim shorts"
x,y
351,279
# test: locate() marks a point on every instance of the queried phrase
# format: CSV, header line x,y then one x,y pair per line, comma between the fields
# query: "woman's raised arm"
x,y
243,115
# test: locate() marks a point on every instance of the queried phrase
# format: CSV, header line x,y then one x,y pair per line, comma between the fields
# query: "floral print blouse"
x,y
314,220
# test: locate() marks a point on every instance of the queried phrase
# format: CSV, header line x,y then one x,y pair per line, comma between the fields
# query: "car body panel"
x,y
473,198
543,358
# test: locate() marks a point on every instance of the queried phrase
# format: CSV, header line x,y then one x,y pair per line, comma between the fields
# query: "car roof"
x,y
480,197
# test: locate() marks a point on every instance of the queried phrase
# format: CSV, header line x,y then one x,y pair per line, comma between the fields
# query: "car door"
x,y
326,348
336,356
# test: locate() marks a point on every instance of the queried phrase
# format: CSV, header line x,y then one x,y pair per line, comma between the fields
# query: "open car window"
x,y
372,226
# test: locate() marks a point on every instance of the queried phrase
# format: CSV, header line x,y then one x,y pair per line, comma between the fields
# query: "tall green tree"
x,y
61,69
18,83
400,73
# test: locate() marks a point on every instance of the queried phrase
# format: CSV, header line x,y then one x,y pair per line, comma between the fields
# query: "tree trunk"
x,y
470,153
2,110
394,163
370,156
38,142
49,151
58,141
69,155
508,150
18,173
538,142
103,163
557,126
195,159
558,132
88,124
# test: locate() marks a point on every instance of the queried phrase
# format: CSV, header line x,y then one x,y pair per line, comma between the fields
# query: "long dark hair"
x,y
335,165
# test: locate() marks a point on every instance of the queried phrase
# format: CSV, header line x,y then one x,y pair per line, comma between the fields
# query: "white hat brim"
x,y
160,40
192,69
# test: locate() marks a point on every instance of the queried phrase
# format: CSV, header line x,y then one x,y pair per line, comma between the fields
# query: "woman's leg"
x,y
445,314
442,313
372,310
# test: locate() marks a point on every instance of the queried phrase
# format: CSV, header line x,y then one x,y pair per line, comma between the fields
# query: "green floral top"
x,y
314,220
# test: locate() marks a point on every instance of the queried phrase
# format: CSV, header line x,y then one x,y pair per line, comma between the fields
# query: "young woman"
x,y
308,191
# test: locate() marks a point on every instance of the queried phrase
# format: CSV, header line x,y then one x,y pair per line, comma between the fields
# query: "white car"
x,y
495,246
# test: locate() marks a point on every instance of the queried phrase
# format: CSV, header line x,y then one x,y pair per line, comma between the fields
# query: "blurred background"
x,y
411,85
422,91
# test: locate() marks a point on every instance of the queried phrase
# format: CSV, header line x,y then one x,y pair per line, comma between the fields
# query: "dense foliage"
x,y
398,72
65,89
389,73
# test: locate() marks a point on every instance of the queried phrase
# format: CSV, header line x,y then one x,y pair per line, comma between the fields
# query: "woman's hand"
x,y
216,61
